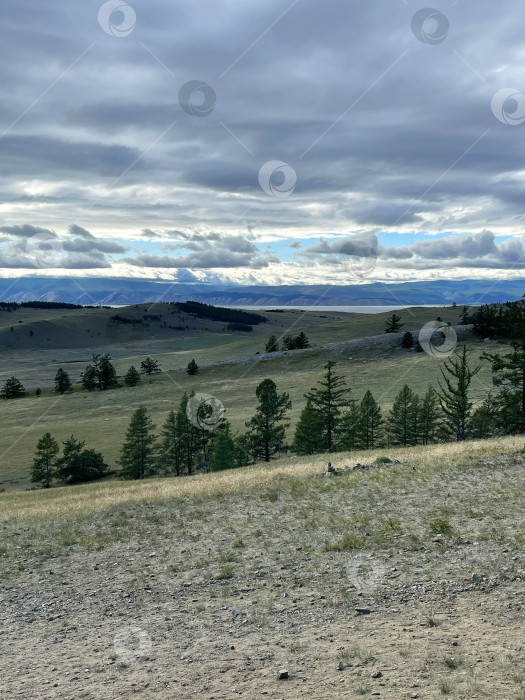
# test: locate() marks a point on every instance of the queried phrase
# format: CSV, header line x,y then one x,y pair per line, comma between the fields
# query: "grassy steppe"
x,y
101,418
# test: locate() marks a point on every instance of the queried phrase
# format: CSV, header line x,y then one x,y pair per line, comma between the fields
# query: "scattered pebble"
x,y
363,611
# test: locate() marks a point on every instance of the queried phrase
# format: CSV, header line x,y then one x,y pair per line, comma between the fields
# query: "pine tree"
x,y
100,374
429,417
78,465
454,394
509,369
223,455
301,341
402,421
272,345
150,366
137,456
170,452
407,341
89,378
328,400
204,424
393,324
267,427
507,406
370,425
62,381
289,342
309,437
44,463
243,454
485,419
348,429
13,389
132,377
464,318
185,434
192,367
415,420
107,374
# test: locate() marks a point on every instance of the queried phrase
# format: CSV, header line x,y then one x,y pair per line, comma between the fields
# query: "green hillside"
x,y
102,417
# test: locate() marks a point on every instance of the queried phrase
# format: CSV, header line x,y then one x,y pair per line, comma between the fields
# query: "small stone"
x,y
341,666
362,611
283,674
235,613
377,674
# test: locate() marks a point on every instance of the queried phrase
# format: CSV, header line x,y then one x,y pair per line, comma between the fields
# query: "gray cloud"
x,y
77,249
476,250
383,131
203,260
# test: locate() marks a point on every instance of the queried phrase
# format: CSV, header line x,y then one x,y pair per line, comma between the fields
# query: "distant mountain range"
x,y
109,291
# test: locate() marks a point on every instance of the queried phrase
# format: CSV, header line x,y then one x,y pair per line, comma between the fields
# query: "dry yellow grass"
x,y
71,501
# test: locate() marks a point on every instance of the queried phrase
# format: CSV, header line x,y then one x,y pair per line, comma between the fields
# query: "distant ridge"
x,y
115,291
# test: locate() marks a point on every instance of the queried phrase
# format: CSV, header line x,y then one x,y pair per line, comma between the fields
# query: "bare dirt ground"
x,y
213,596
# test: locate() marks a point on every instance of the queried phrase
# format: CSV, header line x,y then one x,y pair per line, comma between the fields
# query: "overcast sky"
x,y
277,141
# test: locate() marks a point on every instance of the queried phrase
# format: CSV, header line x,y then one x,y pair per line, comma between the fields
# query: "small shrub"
x,y
440,526
226,557
452,662
346,544
445,687
383,460
392,525
226,572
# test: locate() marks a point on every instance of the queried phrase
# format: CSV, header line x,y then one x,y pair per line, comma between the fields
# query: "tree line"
x,y
331,420
100,375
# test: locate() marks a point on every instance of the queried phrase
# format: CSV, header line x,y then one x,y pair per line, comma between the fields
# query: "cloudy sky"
x,y
278,142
